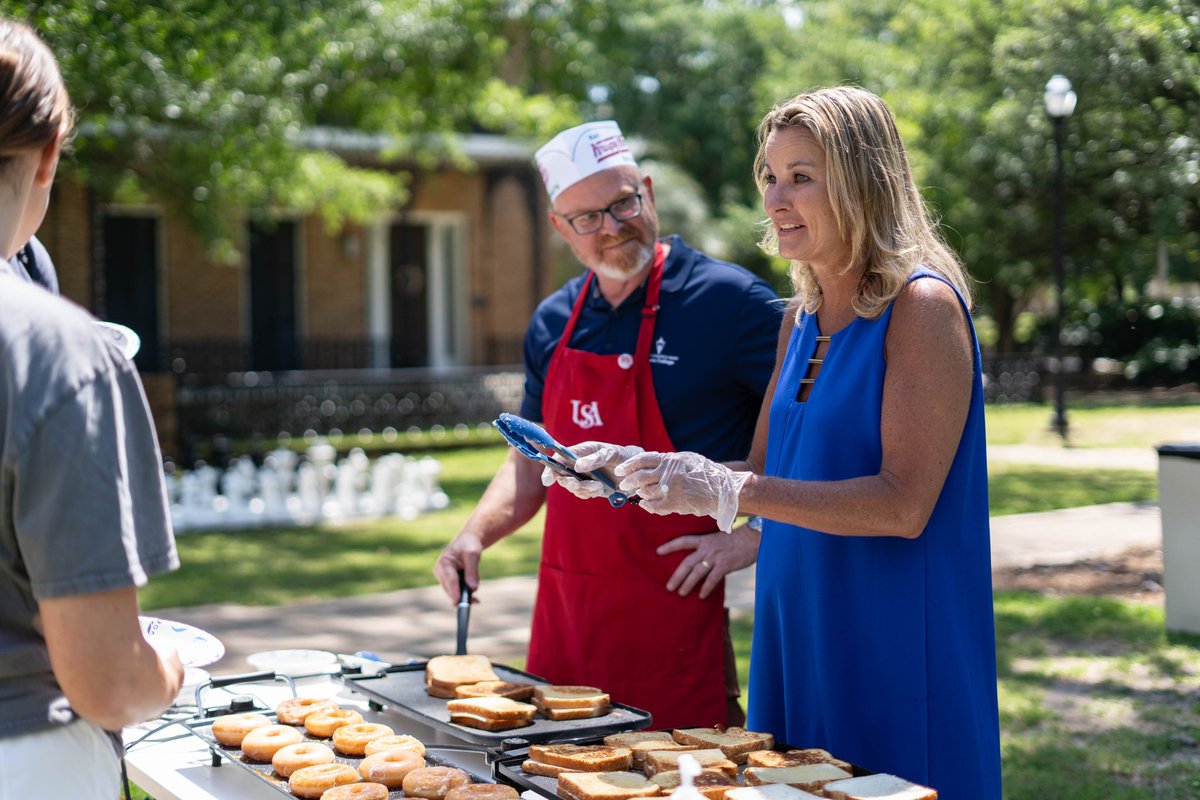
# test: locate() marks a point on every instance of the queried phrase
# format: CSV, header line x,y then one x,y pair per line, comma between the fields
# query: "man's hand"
x,y
462,553
712,558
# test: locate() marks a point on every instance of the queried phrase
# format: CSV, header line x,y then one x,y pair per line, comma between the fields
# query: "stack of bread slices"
x,y
570,702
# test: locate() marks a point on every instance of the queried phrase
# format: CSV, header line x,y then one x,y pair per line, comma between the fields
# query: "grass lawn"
x,y
1095,425
1095,700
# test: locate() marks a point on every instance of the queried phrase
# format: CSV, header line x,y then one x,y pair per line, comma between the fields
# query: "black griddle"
x,y
507,769
234,755
402,689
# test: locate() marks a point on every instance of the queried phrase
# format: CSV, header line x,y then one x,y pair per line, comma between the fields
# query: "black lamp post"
x,y
1060,102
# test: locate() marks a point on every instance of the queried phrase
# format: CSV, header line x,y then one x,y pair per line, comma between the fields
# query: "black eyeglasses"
x,y
591,221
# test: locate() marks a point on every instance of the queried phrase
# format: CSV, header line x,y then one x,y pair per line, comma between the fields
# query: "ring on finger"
x,y
705,564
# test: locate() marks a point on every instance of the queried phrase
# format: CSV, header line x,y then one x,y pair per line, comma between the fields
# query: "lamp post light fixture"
x,y
1060,103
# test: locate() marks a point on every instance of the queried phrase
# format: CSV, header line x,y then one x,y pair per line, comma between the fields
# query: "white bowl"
x,y
295,663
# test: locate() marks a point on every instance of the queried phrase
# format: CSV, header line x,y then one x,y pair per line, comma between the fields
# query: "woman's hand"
x,y
592,457
683,483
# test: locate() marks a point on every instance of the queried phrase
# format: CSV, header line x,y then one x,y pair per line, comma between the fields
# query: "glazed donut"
x,y
390,767
400,741
357,791
261,744
230,729
352,740
322,724
432,783
482,791
312,782
297,756
293,710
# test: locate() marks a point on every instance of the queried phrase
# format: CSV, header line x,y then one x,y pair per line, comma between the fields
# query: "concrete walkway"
x,y
422,622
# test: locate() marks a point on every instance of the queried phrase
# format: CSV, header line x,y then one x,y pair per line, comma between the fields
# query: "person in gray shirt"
x,y
83,511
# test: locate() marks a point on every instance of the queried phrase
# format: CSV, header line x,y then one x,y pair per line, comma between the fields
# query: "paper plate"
x,y
196,648
295,663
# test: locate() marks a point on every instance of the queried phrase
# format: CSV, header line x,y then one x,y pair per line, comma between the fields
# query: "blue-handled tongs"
x,y
532,441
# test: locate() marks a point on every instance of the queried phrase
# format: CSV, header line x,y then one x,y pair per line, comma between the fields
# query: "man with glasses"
x,y
655,345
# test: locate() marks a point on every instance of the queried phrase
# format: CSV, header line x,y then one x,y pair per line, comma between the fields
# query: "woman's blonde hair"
x,y
34,106
878,209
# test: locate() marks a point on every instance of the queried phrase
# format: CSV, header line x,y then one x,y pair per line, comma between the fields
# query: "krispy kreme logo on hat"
x,y
581,151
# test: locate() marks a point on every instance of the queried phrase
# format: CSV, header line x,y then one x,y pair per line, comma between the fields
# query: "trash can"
x,y
1179,506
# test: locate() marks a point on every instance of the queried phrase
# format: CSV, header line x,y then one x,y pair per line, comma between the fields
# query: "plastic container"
x,y
1179,507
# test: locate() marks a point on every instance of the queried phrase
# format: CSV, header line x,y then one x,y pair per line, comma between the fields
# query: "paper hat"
x,y
579,152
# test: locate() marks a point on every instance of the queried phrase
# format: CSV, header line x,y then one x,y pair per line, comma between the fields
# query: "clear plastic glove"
x,y
683,483
592,456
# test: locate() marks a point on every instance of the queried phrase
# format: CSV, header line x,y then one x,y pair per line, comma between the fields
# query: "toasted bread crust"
x,y
809,777
546,770
513,691
712,758
605,786
868,786
735,743
561,696
490,713
795,758
445,673
711,783
583,758
573,713
769,791
637,737
484,724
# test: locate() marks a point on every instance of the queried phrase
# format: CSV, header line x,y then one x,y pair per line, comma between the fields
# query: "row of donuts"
x,y
390,761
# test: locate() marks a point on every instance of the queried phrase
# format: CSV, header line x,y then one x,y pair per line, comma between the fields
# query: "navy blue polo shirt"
x,y
712,353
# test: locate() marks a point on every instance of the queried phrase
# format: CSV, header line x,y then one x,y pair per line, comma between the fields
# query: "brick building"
x,y
448,281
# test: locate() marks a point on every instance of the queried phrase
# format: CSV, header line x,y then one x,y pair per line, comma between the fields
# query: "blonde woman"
x,y
873,630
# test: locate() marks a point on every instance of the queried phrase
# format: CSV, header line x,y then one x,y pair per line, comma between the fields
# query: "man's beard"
x,y
626,269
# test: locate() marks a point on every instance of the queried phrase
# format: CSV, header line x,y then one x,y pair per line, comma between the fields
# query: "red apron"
x,y
603,616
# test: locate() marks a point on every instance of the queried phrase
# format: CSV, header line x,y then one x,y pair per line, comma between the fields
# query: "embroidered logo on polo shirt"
x,y
586,415
657,357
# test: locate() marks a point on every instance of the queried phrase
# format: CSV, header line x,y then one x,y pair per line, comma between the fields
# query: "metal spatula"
x,y
464,614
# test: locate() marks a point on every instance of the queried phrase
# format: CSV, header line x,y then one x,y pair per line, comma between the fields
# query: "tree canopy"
x,y
203,104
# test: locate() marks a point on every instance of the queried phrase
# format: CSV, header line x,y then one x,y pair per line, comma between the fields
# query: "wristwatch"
x,y
755,524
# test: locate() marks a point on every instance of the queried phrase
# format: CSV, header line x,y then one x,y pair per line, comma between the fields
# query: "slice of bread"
x,y
644,749
631,738
735,743
878,787
605,786
643,742
490,713
559,714
770,791
664,760
712,783
583,758
553,696
444,674
513,691
809,777
795,758
546,770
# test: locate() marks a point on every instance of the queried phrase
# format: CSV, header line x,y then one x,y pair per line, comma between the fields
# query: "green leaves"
x,y
202,104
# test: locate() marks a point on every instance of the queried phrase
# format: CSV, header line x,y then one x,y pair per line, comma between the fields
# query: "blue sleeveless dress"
x,y
879,649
